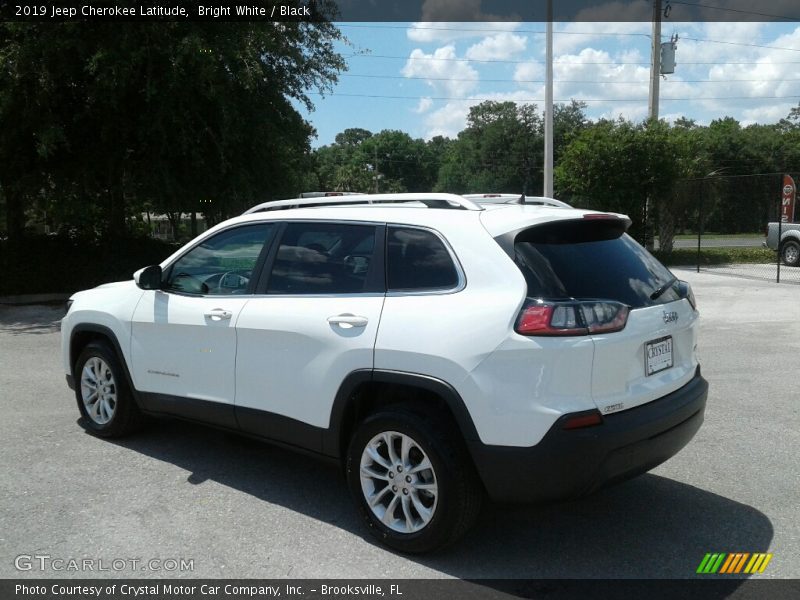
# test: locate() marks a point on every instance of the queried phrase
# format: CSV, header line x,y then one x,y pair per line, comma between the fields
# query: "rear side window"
x,y
418,260
589,261
323,258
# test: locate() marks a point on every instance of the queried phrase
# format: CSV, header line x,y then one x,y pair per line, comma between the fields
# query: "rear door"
x,y
313,322
654,354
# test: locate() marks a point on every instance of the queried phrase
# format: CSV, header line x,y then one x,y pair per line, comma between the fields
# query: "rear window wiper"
x,y
660,291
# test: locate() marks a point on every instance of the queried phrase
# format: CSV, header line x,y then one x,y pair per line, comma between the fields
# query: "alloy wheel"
x,y
98,390
398,482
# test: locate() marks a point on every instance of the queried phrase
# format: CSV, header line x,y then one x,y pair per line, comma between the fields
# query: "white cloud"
x,y
452,116
424,105
766,114
572,36
771,74
615,89
440,32
528,73
442,71
497,47
448,120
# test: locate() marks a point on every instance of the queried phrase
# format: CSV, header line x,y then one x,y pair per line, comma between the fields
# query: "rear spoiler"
x,y
590,227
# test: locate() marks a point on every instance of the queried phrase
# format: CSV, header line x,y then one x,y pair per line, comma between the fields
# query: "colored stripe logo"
x,y
735,562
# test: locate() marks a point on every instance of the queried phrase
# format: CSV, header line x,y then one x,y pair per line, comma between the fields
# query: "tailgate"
x,y
652,357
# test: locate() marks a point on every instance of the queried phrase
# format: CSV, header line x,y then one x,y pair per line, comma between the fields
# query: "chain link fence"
x,y
718,224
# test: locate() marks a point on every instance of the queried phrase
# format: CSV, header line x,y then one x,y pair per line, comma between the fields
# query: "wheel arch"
x,y
361,392
84,334
790,235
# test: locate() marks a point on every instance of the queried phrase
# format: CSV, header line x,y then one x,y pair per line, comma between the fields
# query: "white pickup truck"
x,y
788,246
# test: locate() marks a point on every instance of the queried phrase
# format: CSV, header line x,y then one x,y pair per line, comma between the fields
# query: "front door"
x,y
183,342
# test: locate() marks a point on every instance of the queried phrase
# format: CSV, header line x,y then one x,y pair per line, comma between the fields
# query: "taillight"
x,y
578,317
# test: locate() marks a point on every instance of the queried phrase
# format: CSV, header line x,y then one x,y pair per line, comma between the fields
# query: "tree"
x,y
389,161
499,151
164,113
616,166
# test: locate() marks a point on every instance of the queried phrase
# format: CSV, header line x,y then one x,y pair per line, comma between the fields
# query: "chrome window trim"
x,y
460,284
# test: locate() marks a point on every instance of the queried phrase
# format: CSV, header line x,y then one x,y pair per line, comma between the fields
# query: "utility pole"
x,y
655,62
548,106
377,174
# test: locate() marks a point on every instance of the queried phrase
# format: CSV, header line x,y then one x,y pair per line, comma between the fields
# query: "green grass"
x,y
717,236
716,256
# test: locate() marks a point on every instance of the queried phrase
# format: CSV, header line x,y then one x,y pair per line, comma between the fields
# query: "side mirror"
x,y
148,278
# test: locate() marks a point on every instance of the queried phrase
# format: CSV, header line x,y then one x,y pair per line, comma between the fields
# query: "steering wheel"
x,y
189,283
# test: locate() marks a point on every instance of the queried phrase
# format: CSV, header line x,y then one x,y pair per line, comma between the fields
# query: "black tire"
x,y
790,253
125,416
459,494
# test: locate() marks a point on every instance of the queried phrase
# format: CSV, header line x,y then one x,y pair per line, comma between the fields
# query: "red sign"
x,y
788,199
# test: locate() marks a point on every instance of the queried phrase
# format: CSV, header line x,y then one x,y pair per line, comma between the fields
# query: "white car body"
x,y
274,364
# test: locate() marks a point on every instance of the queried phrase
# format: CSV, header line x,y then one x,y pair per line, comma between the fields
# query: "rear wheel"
x,y
412,480
790,253
104,397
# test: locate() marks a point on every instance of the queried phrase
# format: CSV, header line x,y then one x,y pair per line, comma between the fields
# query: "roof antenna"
x,y
520,200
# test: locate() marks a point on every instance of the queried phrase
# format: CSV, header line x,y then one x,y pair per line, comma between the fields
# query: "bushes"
x,y
48,264
716,256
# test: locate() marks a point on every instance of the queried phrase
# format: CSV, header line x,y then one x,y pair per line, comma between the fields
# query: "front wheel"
x,y
412,481
790,253
104,397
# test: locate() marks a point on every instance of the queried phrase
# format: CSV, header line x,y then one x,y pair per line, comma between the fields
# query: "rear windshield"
x,y
590,263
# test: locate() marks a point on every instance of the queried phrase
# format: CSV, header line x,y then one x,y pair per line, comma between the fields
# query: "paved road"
x,y
239,508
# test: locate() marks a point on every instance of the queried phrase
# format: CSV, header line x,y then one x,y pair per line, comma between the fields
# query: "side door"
x,y
183,338
314,321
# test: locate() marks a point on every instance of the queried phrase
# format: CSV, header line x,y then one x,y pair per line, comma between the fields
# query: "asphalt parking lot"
x,y
238,508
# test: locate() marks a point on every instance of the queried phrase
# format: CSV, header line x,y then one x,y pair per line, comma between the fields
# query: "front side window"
x,y
418,260
323,258
221,265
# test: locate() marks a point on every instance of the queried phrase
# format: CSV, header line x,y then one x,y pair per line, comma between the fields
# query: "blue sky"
x,y
423,77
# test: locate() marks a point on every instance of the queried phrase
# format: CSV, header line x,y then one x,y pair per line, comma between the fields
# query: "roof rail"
x,y
449,201
516,199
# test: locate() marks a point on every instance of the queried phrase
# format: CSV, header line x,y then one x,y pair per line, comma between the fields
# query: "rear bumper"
x,y
570,463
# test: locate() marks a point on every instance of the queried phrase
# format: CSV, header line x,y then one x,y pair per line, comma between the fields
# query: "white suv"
x,y
440,349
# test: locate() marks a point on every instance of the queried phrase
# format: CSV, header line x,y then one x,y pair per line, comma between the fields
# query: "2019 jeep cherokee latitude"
x,y
440,349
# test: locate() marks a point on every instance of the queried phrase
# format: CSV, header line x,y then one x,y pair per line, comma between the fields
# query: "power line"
x,y
563,62
490,31
585,33
637,82
736,10
694,39
477,99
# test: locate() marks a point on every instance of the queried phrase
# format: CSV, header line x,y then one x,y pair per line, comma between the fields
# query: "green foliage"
x,y
389,161
616,166
716,256
500,150
99,121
